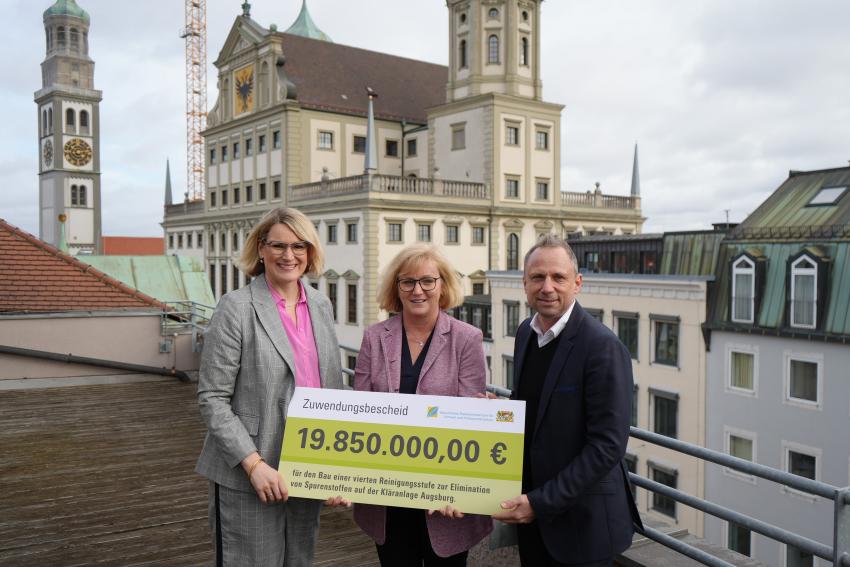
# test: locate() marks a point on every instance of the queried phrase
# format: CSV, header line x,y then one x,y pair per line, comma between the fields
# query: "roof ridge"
x,y
82,266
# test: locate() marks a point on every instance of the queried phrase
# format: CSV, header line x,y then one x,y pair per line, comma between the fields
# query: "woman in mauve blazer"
x,y
424,351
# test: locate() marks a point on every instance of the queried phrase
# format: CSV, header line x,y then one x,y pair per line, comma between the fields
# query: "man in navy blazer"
x,y
576,378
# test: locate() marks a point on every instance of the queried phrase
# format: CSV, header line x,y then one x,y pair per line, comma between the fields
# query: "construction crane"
x,y
195,34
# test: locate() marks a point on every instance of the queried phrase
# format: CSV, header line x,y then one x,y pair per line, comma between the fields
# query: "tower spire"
x,y
305,27
635,175
168,200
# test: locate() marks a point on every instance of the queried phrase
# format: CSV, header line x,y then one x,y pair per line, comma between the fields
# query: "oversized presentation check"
x,y
416,451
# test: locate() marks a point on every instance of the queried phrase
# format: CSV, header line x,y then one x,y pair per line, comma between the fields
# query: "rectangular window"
x,y
665,413
648,263
541,140
478,289
212,156
249,193
235,278
742,370
741,447
262,191
171,241
802,464
627,330
331,234
212,277
332,296
222,272
223,153
739,539
391,148
200,240
478,235
803,293
795,557
326,140
742,292
352,304
508,364
236,195
451,234
261,142
224,197
351,232
179,241
359,145
189,240
634,420
423,232
542,191
235,150
276,139
661,503
512,135
458,136
411,148
276,189
394,233
511,310
666,343
803,380
249,147
512,188
591,261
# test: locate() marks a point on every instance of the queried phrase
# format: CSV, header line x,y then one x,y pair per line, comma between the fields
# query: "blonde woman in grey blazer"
x,y
257,349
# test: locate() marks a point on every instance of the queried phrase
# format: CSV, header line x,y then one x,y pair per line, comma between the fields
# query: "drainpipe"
x,y
72,358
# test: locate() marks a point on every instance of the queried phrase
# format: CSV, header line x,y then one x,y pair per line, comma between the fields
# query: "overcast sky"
x,y
722,96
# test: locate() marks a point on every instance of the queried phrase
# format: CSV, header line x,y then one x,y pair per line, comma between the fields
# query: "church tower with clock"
x,y
69,133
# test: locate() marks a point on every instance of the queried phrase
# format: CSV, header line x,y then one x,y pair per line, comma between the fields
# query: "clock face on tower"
x,y
77,152
47,154
243,82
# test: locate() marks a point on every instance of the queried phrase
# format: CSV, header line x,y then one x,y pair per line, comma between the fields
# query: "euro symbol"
x,y
496,453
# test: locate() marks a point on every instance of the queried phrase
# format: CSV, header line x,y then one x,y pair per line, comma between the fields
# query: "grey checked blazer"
x,y
247,379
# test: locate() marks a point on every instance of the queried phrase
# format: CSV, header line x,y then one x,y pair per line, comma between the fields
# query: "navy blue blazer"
x,y
580,492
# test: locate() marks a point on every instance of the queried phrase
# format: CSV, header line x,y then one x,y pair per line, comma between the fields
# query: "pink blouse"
x,y
300,335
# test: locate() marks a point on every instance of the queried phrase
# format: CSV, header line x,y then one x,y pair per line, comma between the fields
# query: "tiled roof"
x,y
133,246
36,277
333,77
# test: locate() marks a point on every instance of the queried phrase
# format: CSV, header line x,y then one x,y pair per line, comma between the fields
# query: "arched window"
x,y
75,40
70,120
524,16
60,36
493,49
513,252
85,43
82,201
804,279
523,51
47,38
43,122
50,120
74,196
462,54
264,84
84,122
743,290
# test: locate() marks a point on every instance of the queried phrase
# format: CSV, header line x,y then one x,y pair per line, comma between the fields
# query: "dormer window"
x,y
827,196
804,279
743,290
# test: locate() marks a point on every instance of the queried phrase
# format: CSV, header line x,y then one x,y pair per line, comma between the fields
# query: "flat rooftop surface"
x,y
105,474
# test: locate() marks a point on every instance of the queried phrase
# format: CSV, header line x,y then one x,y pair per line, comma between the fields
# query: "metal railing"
x,y
184,317
838,553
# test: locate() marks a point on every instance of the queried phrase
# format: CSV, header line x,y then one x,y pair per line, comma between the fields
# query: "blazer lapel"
x,y
565,346
439,340
321,334
269,317
391,347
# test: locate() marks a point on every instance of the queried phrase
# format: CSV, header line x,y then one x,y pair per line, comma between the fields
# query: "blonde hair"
x,y
412,257
297,222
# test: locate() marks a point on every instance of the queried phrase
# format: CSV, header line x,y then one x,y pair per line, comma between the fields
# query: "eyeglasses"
x,y
299,248
409,284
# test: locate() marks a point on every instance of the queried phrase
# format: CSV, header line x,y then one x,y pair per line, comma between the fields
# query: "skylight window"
x,y
828,196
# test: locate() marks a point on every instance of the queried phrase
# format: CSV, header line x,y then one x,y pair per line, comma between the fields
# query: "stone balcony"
x,y
388,185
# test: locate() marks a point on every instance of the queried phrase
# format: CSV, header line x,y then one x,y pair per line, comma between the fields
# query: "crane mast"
x,y
195,34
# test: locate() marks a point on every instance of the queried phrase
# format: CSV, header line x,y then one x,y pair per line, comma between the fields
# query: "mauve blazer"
x,y
453,366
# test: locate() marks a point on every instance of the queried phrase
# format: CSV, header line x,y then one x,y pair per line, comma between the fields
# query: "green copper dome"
x,y
67,8
305,27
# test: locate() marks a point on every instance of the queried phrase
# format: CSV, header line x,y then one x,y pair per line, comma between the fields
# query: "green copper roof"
x,y
67,8
305,27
